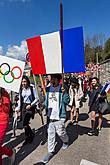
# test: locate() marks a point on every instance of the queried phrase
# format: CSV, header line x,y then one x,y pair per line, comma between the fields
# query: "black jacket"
x,y
93,95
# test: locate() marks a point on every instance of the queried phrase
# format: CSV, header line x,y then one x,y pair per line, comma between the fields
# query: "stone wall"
x,y
104,72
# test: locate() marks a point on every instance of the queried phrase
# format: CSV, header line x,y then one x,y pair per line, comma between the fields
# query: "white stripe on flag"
x,y
107,89
52,52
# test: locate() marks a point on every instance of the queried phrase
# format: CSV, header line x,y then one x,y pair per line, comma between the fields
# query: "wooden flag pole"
x,y
34,78
42,83
36,88
61,37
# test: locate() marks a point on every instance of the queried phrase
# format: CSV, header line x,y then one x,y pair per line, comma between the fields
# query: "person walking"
x,y
95,97
55,103
27,104
4,121
76,94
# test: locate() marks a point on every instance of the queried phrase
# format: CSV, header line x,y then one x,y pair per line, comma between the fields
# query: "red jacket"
x,y
4,108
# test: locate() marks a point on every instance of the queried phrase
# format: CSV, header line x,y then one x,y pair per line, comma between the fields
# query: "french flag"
x,y
106,88
45,52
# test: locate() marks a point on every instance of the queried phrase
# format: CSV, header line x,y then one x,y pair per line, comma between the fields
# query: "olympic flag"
x,y
11,71
45,52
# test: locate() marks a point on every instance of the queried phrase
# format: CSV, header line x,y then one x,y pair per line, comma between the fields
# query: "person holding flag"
x,y
55,104
96,97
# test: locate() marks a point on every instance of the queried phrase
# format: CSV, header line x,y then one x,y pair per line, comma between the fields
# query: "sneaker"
x,y
12,158
47,157
64,146
91,133
29,139
99,130
70,123
76,122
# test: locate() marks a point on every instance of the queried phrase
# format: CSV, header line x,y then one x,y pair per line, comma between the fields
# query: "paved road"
x,y
81,146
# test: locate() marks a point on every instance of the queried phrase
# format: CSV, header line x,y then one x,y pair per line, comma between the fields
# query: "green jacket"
x,y
64,99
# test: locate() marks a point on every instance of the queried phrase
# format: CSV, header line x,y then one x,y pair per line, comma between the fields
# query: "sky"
x,y
23,19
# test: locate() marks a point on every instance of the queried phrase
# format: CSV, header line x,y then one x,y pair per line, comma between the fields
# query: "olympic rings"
x,y
9,71
8,68
5,77
13,74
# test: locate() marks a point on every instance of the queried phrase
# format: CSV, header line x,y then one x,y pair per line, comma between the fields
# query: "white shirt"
x,y
53,105
27,97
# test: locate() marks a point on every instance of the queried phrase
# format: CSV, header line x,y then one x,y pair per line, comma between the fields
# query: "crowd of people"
x,y
61,102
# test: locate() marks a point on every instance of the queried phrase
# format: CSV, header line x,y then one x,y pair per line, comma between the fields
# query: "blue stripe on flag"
x,y
74,50
104,87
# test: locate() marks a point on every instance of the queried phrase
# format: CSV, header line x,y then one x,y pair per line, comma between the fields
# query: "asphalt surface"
x,y
81,146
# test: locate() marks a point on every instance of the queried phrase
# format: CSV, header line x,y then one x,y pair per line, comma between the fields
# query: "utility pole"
x,y
61,37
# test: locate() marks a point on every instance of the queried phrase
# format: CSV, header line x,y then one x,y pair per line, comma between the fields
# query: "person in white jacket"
x,y
75,94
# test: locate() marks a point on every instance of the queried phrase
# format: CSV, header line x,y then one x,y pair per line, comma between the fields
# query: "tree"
x,y
98,40
88,54
94,45
100,51
107,49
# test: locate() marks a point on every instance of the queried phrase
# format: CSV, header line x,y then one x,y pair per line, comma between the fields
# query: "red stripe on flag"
x,y
108,91
36,55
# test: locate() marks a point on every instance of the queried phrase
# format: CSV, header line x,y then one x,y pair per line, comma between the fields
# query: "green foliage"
x,y
32,80
88,53
94,45
100,51
107,49
107,45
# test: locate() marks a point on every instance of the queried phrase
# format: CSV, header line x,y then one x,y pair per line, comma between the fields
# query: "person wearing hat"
x,y
55,104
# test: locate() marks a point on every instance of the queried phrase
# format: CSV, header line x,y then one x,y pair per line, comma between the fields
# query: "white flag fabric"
x,y
11,71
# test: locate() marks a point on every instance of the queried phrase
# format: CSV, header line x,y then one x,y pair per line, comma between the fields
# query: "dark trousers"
x,y
27,115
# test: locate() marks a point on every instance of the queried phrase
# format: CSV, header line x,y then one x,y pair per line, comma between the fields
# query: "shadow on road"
x,y
73,132
40,139
83,116
24,151
39,163
105,123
